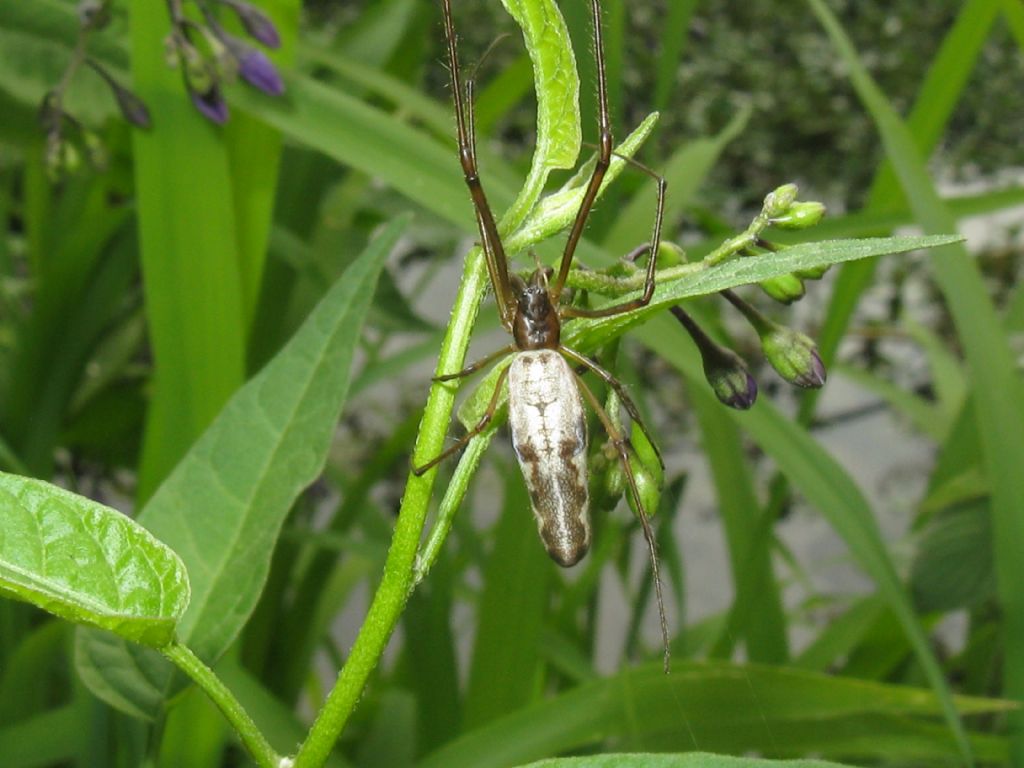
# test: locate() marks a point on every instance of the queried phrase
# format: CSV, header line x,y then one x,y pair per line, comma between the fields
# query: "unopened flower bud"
x,y
784,288
211,104
800,216
725,371
257,70
94,14
256,23
62,157
648,473
133,109
813,273
199,75
794,356
778,202
96,149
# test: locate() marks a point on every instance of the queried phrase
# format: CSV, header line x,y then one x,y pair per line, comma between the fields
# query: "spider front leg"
x,y
652,259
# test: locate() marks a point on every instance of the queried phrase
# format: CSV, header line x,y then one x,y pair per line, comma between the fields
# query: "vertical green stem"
x,y
205,678
399,571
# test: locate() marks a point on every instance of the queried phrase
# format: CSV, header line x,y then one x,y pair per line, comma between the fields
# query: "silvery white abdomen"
x,y
549,434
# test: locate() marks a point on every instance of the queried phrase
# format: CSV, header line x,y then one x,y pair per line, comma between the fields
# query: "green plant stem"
x,y
205,678
399,568
614,286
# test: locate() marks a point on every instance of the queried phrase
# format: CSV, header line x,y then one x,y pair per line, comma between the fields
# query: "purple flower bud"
x,y
794,357
132,107
257,24
211,103
258,71
725,371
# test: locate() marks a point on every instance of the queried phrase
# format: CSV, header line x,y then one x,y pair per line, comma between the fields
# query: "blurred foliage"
x,y
138,298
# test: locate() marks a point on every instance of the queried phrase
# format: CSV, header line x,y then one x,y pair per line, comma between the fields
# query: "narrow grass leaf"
x,y
698,279
225,502
998,390
190,263
812,471
717,706
757,610
505,671
48,739
88,563
693,760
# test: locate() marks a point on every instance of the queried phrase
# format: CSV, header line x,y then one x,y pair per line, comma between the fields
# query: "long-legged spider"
x,y
545,394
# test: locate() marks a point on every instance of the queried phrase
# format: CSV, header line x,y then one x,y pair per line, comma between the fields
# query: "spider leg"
x,y
494,251
476,430
622,447
472,368
604,157
652,258
609,379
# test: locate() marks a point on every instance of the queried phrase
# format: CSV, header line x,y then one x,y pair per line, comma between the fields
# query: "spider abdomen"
x,y
549,434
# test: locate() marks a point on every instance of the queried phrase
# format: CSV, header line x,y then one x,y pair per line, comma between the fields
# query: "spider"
x,y
545,392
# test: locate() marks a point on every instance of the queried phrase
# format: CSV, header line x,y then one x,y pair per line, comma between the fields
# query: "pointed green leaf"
x,y
87,563
224,504
691,760
722,707
558,90
689,280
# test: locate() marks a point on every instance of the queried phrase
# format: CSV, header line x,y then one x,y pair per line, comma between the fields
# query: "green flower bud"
x,y
800,216
813,273
95,149
648,472
670,255
198,72
784,288
794,356
779,201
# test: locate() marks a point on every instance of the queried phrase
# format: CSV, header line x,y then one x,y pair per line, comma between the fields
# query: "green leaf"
x,y
991,364
690,280
506,666
189,249
558,89
692,760
224,504
813,472
52,738
88,563
953,565
718,706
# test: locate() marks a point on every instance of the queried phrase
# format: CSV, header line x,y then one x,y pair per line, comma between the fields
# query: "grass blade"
x,y
998,392
811,470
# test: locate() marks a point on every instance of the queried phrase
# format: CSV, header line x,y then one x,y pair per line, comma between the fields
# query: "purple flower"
x,y
258,71
211,103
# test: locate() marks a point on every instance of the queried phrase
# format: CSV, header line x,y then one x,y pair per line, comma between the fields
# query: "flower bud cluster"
x,y
782,209
66,137
209,56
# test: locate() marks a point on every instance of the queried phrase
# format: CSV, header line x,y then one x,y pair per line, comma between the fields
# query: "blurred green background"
x,y
828,559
